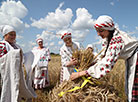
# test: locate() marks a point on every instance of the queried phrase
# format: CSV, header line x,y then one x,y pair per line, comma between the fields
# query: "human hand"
x,y
74,61
74,75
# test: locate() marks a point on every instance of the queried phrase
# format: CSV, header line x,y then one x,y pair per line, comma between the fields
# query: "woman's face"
x,y
103,33
40,44
10,37
68,41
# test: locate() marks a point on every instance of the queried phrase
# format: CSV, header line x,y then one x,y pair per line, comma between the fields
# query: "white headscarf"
x,y
89,46
39,39
5,29
104,22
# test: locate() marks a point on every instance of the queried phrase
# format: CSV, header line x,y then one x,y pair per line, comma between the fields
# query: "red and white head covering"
x,y
39,39
5,29
104,22
65,35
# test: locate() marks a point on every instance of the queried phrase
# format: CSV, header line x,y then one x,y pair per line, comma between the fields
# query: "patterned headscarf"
x,y
65,35
104,22
5,29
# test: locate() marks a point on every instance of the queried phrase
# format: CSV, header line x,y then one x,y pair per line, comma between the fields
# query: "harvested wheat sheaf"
x,y
84,57
102,92
89,93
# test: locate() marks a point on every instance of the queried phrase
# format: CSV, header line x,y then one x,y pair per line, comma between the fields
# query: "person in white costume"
x,y
41,60
91,48
117,45
9,41
14,86
66,56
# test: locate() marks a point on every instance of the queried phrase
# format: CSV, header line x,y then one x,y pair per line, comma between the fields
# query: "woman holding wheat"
x,y
66,56
116,44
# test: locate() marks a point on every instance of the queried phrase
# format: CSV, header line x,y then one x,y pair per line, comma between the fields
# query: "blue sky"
x,y
46,18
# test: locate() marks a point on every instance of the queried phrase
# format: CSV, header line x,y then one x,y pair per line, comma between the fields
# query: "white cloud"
x,y
124,26
112,3
136,28
60,21
14,9
54,20
19,36
79,35
130,33
11,13
47,36
32,43
60,42
52,44
21,45
84,20
27,25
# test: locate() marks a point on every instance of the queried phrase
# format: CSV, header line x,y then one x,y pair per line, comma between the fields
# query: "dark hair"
x,y
111,32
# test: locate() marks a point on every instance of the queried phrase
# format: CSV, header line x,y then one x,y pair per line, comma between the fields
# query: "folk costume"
x,y
14,86
66,55
121,46
36,63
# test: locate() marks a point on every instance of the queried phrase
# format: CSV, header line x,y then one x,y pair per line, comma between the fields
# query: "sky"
x,y
49,18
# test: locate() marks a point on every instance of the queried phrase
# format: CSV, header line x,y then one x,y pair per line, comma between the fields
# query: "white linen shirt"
x,y
66,55
120,46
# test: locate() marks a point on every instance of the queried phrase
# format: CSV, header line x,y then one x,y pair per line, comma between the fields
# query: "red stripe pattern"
x,y
65,35
104,25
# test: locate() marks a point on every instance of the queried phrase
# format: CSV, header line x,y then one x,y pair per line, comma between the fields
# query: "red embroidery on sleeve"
x,y
102,69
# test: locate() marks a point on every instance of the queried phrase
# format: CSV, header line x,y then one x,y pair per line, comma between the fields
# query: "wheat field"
x,y
115,78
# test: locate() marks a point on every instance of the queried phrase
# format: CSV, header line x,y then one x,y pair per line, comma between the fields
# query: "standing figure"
x,y
91,48
66,56
117,45
9,41
41,60
14,86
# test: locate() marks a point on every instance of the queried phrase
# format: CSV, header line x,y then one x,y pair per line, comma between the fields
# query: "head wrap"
x,y
65,35
89,46
39,39
104,22
5,29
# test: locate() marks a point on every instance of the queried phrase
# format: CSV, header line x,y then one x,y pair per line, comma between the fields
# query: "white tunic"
x,y
8,46
36,63
121,46
66,54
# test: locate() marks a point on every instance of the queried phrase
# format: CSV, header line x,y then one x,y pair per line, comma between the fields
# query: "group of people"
x,y
116,44
34,66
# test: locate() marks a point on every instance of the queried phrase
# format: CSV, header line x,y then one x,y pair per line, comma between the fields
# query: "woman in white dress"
x,y
9,41
41,60
117,45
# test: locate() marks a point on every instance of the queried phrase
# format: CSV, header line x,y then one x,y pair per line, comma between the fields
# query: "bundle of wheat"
x,y
85,58
97,91
89,93
110,89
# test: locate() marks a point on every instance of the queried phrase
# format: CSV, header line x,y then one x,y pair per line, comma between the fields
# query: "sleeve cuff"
x,y
87,74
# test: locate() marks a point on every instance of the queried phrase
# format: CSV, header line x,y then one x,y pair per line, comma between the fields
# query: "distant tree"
x,y
52,53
